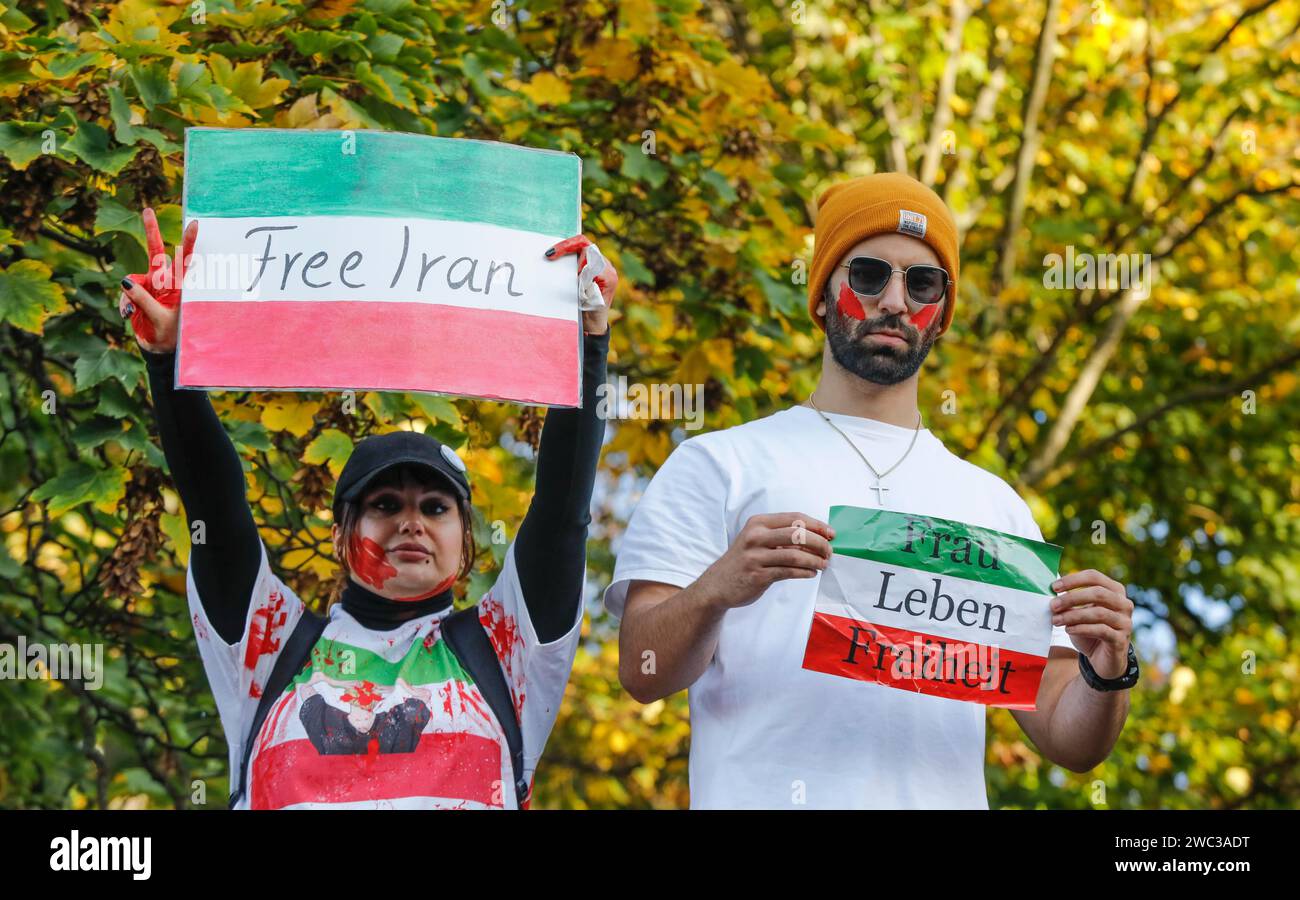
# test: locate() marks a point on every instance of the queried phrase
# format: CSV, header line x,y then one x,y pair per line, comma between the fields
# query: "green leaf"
x,y
437,408
310,43
252,435
64,66
116,402
82,484
109,362
9,568
153,83
331,446
91,145
126,133
93,432
113,216
642,167
386,46
634,269
719,183
22,142
473,70
174,526
29,295
781,297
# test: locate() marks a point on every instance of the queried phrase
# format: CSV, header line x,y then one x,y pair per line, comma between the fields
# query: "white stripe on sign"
x,y
959,609
470,265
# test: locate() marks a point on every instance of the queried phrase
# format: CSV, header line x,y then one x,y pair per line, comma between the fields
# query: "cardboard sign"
x,y
934,606
334,260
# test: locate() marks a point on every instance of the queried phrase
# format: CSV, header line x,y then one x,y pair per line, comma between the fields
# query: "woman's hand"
x,y
594,321
153,300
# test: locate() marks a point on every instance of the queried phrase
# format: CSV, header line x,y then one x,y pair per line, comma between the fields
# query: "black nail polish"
x,y
127,283
550,252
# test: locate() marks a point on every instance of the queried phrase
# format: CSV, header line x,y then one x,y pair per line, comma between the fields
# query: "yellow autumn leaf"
x,y
615,58
288,414
245,82
641,16
739,81
546,90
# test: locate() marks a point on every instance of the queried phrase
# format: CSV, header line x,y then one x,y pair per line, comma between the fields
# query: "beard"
x,y
882,364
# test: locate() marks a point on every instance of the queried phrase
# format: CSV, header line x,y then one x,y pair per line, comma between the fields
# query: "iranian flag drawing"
x,y
934,606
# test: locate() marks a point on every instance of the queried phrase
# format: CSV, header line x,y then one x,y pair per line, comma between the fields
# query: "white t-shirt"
x,y
382,719
765,732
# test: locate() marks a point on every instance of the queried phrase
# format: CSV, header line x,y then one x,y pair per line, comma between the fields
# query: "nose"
x,y
893,300
412,522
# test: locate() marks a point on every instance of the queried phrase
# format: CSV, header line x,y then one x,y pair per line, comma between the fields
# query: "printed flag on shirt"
x,y
380,260
934,606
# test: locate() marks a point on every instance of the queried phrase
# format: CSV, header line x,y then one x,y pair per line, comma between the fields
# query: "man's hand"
x,y
771,547
1098,616
594,321
152,300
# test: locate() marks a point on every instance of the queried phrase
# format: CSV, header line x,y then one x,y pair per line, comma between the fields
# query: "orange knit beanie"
x,y
856,209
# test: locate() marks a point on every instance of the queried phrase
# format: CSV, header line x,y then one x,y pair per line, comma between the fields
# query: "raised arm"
x,y
210,480
551,548
204,465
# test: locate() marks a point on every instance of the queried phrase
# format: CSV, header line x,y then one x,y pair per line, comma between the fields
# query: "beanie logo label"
x,y
911,223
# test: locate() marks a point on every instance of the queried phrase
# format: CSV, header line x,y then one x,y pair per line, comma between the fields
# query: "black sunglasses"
x,y
868,275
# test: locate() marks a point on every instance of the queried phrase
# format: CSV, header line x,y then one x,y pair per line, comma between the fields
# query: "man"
x,y
716,576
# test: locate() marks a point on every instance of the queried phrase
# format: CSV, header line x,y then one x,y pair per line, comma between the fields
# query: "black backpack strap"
x,y
297,649
466,637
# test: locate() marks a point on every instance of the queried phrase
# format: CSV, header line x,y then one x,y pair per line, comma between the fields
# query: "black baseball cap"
x,y
379,452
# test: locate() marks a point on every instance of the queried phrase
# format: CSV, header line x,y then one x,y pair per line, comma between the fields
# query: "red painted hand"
x,y
152,302
593,321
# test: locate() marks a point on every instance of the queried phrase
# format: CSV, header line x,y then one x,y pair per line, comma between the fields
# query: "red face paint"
x,y
369,564
849,303
923,318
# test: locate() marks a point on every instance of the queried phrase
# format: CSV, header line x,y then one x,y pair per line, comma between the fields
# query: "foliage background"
x,y
1168,129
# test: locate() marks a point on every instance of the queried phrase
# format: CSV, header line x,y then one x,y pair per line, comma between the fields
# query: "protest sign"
x,y
380,260
934,606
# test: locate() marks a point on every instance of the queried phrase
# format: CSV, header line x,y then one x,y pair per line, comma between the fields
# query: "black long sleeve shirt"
x,y
550,549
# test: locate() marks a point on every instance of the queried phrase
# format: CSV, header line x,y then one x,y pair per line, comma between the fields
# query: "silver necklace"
x,y
877,487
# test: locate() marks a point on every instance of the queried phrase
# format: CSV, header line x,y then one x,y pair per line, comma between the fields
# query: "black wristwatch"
x,y
1122,683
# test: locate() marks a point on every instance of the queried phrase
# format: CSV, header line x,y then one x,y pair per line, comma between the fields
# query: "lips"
x,y
890,337
897,334
410,550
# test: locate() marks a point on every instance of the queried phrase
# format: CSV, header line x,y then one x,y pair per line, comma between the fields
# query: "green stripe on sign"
x,y
237,172
420,665
945,547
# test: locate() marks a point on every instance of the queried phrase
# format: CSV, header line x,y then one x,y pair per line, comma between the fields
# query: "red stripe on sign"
x,y
455,766
915,661
382,346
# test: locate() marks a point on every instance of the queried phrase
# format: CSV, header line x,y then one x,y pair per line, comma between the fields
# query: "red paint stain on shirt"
x,y
364,694
849,303
199,631
267,621
503,632
471,696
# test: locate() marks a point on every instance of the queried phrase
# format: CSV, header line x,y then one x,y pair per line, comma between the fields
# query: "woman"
x,y
385,709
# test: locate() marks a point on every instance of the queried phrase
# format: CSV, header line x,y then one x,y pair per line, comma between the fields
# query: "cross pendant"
x,y
879,490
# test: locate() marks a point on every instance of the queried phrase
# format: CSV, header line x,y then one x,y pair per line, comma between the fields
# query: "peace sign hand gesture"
x,y
152,300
